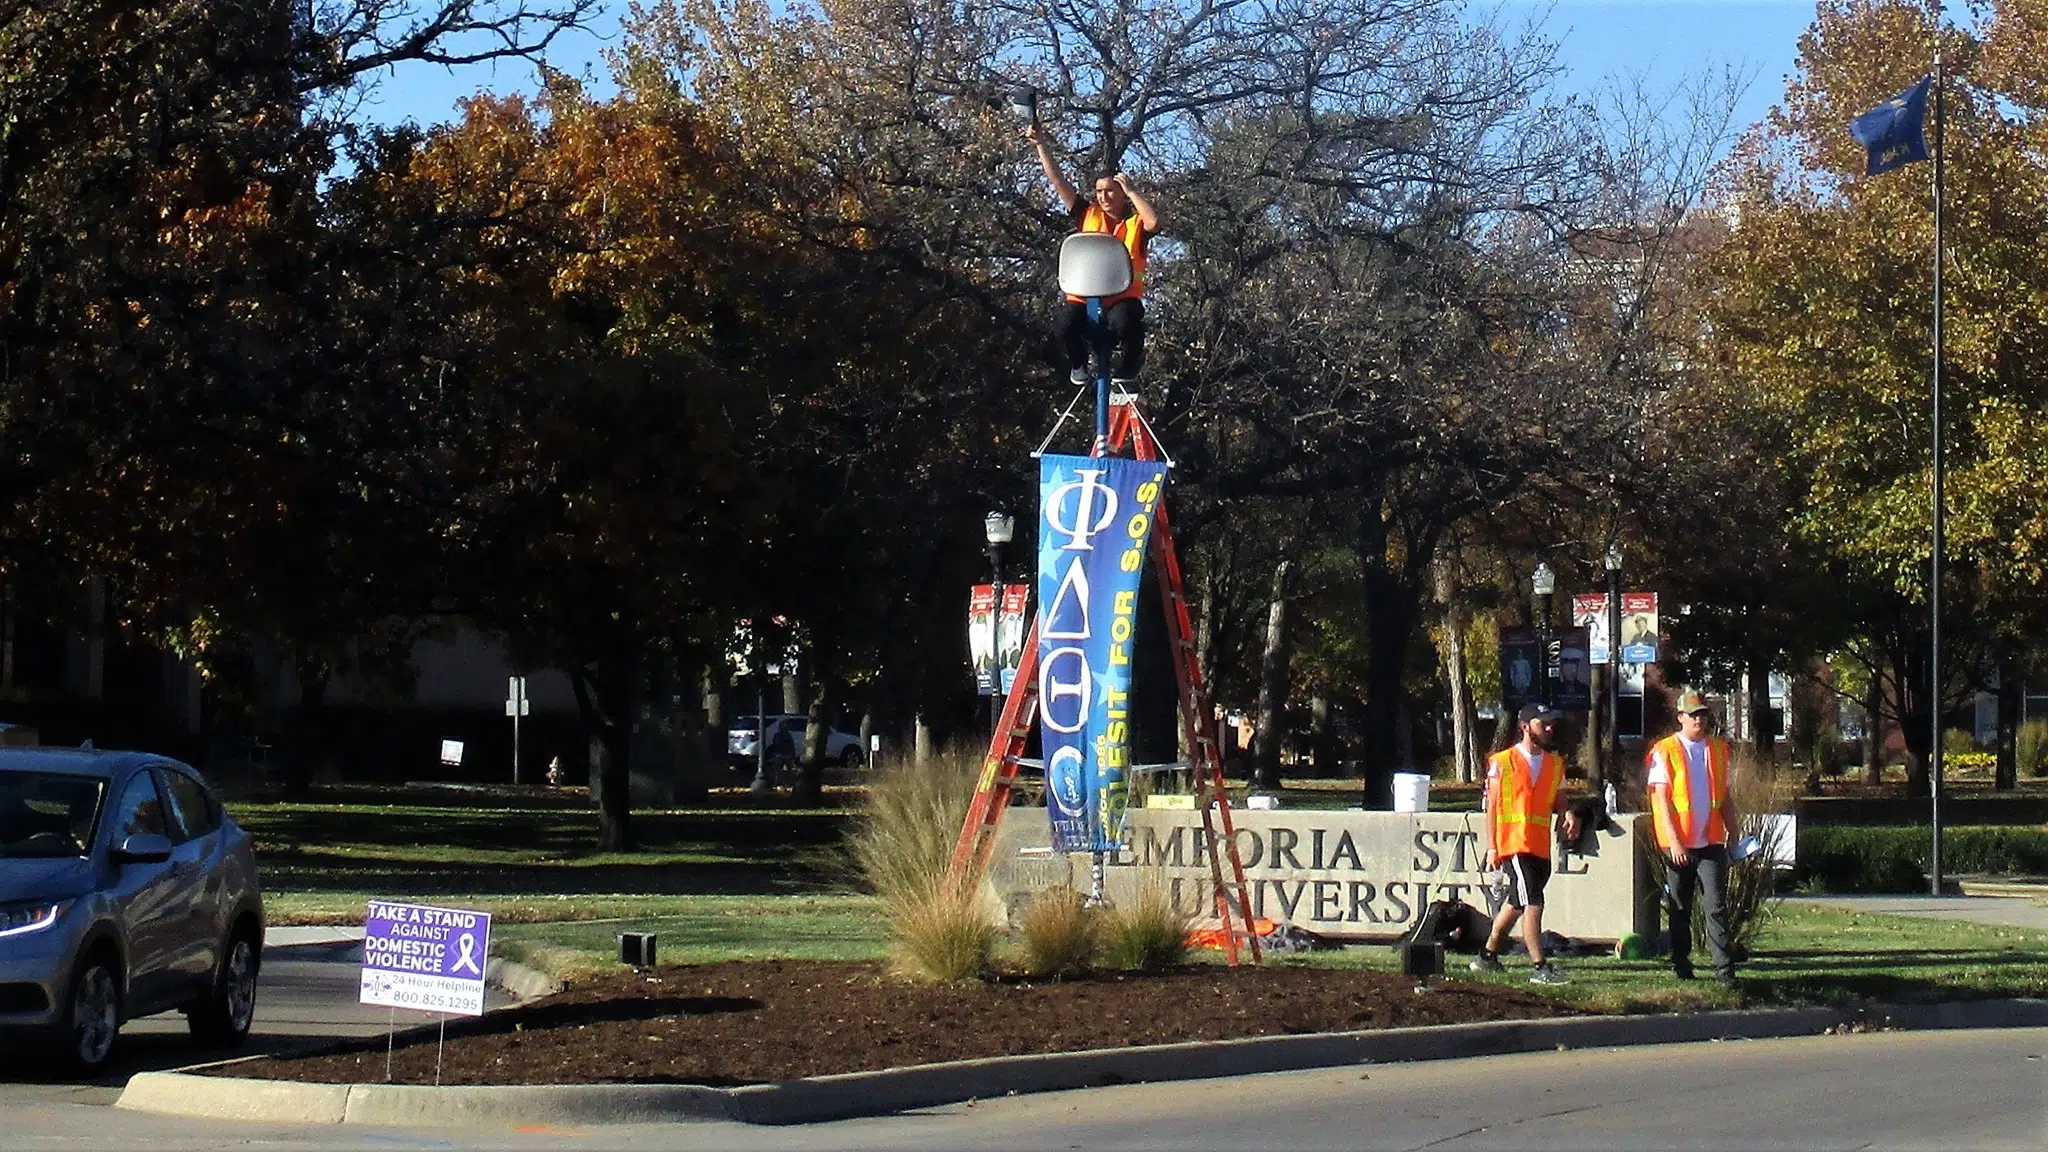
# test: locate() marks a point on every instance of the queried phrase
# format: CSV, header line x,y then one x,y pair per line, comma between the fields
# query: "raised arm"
x,y
1147,215
1060,184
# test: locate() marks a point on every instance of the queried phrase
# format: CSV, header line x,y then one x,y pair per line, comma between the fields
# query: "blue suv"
x,y
125,890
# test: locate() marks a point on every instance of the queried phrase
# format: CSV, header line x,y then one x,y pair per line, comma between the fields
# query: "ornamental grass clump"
x,y
1148,934
1061,936
902,848
943,934
1755,796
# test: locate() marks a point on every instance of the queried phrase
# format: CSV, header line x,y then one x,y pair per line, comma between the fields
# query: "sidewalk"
x,y
293,937
2014,911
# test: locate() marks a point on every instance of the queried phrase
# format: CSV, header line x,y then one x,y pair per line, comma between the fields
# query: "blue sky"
x,y
1667,41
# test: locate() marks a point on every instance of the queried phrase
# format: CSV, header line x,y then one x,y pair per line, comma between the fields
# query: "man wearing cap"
x,y
1688,782
1524,793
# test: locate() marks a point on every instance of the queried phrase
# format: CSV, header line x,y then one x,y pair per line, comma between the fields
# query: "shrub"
x,y
1149,934
1894,859
1061,936
1955,741
902,848
1977,763
2033,748
1823,751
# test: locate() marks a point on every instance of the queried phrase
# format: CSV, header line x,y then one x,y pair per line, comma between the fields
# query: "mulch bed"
x,y
748,1023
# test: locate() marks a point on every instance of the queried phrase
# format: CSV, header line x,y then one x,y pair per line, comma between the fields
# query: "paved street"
x,y
1979,1091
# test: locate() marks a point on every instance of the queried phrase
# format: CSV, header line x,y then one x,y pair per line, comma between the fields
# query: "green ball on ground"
x,y
1632,947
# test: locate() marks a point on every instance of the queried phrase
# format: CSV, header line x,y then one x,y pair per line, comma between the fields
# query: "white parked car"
x,y
841,748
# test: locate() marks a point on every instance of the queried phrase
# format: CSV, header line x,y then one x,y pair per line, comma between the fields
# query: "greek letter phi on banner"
x,y
1095,516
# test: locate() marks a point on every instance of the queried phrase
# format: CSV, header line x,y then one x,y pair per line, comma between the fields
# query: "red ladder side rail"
x,y
1006,745
1212,789
999,768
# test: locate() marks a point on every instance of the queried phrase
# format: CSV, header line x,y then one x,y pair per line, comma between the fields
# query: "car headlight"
x,y
24,919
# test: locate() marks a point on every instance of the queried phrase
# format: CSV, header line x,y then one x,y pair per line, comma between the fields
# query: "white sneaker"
x,y
1486,962
1547,973
1078,376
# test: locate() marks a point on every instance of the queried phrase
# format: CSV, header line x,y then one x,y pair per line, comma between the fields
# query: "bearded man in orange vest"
x,y
1688,781
1524,794
1119,210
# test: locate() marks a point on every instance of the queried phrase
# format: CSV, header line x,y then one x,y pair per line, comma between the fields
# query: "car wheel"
x,y
852,759
224,1015
92,1018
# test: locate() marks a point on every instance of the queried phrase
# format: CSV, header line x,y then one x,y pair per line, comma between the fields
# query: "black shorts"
x,y
1527,874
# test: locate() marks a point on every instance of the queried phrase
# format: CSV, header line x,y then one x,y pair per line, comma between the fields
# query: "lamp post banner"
x,y
1639,627
1095,517
1521,662
1589,611
981,636
1010,634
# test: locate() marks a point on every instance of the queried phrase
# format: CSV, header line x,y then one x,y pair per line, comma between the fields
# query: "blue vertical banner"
x,y
1095,519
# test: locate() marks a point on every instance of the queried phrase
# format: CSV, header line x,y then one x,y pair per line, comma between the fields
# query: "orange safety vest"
x,y
1679,765
1132,233
1522,810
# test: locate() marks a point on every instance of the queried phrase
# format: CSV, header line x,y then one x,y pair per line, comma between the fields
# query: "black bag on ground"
x,y
1456,925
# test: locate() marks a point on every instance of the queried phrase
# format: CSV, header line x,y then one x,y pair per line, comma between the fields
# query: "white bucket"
x,y
1411,792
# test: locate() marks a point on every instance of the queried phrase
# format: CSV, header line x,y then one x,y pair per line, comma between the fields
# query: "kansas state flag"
x,y
1894,132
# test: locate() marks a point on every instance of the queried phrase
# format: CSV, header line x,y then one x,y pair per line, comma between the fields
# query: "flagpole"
x,y
1934,577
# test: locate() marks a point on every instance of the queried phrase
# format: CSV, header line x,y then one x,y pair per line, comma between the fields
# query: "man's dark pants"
x,y
1708,871
1126,322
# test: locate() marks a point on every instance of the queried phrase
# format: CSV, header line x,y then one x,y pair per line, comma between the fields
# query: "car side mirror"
x,y
147,848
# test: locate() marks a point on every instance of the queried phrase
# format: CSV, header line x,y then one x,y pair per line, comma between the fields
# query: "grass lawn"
x,y
527,857
743,879
706,929
1806,956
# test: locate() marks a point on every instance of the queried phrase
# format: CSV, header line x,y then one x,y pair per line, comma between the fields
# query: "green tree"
x,y
1821,319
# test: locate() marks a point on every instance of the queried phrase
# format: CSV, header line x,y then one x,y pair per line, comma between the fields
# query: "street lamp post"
x,y
1613,561
1543,582
763,782
999,527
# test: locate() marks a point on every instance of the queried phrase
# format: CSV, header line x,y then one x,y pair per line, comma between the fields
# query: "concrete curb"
x,y
2004,888
928,1085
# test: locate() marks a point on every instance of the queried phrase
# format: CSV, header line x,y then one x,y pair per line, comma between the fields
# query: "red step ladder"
x,y
1212,795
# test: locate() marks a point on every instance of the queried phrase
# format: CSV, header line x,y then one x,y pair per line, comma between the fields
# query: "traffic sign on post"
x,y
516,705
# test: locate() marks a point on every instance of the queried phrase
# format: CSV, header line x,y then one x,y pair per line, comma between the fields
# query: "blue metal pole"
x,y
1098,334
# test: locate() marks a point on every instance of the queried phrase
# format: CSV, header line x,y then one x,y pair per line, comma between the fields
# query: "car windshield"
x,y
48,814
